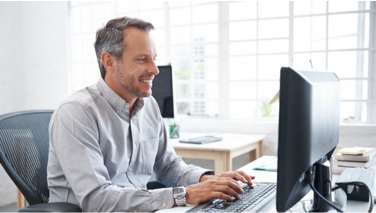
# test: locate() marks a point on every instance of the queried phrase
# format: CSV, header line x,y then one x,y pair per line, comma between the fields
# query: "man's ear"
x,y
108,61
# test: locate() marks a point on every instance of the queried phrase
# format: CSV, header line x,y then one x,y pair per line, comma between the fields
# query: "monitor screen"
x,y
308,133
162,91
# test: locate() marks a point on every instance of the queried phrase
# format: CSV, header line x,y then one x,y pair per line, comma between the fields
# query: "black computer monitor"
x,y
162,91
307,136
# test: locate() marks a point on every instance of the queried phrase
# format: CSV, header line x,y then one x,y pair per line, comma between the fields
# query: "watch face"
x,y
178,190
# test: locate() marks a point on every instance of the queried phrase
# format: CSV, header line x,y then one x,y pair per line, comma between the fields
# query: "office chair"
x,y
24,147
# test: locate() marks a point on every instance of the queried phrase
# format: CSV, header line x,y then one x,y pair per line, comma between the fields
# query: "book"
x,y
351,164
350,157
358,154
338,166
357,158
355,150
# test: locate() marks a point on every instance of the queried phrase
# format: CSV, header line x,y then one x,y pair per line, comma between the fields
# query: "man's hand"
x,y
224,186
236,175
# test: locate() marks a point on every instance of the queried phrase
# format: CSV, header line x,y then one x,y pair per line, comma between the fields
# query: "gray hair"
x,y
110,37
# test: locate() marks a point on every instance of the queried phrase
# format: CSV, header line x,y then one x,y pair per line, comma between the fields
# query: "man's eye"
x,y
141,59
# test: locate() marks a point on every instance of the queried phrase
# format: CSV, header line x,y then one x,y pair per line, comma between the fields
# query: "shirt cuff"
x,y
162,198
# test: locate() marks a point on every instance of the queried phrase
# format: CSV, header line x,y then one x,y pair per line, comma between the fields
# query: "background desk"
x,y
221,152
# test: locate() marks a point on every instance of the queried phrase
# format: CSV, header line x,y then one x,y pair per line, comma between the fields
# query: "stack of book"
x,y
351,157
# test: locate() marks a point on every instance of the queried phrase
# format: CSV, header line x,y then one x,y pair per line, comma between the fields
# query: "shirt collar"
x,y
112,98
117,102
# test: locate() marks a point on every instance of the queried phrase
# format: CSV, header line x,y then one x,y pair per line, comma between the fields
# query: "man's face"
x,y
135,70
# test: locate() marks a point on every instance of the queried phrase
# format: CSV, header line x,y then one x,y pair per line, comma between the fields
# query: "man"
x,y
107,139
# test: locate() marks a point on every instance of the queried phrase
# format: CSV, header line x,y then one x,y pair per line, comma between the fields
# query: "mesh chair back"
x,y
24,151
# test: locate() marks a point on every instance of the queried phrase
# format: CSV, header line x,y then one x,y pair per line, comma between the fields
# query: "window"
x,y
226,55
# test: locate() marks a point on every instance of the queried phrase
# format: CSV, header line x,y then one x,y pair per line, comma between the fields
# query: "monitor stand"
x,y
322,182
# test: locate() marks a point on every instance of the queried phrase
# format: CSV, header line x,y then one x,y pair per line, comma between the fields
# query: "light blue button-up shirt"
x,y
101,157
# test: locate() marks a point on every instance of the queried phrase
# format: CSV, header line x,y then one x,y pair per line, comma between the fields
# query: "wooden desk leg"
x,y
260,150
228,162
256,152
21,201
253,155
220,163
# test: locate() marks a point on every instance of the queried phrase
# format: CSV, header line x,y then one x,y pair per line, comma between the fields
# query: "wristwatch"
x,y
179,195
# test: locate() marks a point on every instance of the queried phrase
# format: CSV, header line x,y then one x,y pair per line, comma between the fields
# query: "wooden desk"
x,y
222,152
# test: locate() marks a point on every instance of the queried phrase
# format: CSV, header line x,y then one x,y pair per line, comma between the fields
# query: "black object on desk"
x,y
357,183
201,139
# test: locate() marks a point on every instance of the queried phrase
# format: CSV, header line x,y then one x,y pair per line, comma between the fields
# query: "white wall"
x,y
10,61
33,63
33,55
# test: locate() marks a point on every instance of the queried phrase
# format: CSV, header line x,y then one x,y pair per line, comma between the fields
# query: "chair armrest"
x,y
51,207
155,185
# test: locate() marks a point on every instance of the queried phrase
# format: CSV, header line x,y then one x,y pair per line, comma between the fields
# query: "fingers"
x,y
227,189
222,187
240,176
247,178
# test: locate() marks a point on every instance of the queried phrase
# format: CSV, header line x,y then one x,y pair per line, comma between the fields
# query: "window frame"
x,y
224,56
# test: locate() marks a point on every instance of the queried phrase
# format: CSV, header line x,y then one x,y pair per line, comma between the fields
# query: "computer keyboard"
x,y
251,201
201,139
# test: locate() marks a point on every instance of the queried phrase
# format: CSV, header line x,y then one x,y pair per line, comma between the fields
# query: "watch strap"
x,y
179,195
